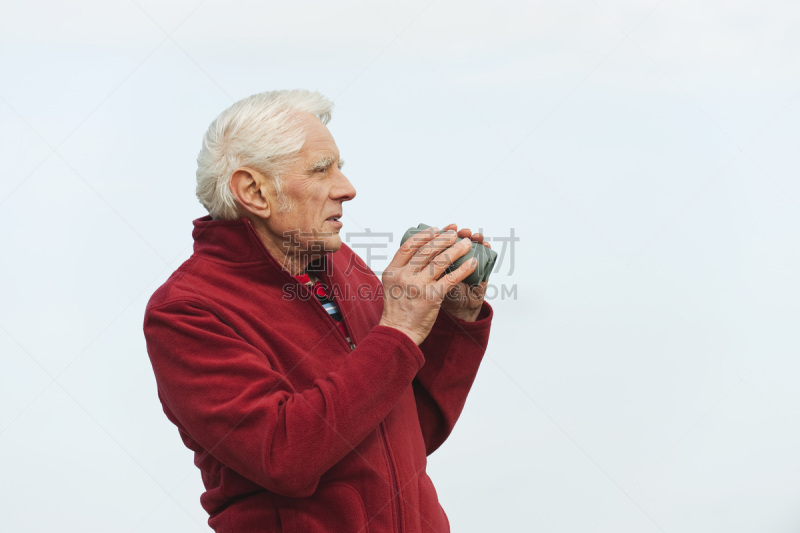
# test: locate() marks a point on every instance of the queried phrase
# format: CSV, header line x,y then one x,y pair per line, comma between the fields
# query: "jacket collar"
x,y
234,241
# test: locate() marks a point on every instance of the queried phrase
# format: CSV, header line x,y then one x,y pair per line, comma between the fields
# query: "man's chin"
x,y
330,244
334,245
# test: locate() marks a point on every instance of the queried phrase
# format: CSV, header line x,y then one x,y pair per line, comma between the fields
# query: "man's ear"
x,y
250,188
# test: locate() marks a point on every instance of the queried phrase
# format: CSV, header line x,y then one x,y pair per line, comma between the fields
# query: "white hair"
x,y
263,132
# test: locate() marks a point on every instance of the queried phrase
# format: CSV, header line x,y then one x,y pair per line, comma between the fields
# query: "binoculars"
x,y
485,256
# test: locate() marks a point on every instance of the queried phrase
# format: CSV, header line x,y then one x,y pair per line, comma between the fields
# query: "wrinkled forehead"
x,y
319,143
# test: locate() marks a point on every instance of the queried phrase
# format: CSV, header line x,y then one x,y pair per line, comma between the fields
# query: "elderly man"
x,y
309,392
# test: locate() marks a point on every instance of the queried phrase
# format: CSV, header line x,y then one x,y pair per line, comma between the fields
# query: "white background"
x,y
645,379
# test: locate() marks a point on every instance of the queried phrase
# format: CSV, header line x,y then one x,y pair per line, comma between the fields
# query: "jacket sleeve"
x,y
225,395
453,352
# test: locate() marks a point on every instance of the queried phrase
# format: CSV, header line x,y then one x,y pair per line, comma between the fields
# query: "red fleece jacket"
x,y
292,430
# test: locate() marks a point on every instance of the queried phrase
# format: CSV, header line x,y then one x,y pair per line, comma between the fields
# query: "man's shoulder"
x,y
183,285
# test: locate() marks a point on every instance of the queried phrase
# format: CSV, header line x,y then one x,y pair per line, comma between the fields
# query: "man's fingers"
x,y
465,233
435,250
412,245
431,250
451,279
449,256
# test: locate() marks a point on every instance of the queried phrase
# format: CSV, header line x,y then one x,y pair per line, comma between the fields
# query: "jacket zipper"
x,y
326,281
384,438
348,340
393,476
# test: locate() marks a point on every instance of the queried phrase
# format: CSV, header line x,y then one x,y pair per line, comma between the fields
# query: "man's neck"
x,y
293,262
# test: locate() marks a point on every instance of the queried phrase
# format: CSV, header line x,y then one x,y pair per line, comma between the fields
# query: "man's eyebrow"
x,y
323,162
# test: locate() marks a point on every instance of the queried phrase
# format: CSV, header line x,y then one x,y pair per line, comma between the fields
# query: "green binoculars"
x,y
485,256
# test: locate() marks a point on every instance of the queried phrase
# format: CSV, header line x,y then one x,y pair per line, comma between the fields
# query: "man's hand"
x,y
464,301
414,283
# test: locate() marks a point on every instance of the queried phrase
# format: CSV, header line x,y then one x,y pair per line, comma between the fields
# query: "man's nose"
x,y
343,190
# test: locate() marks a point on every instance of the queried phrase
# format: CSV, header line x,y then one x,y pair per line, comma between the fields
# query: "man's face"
x,y
315,188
